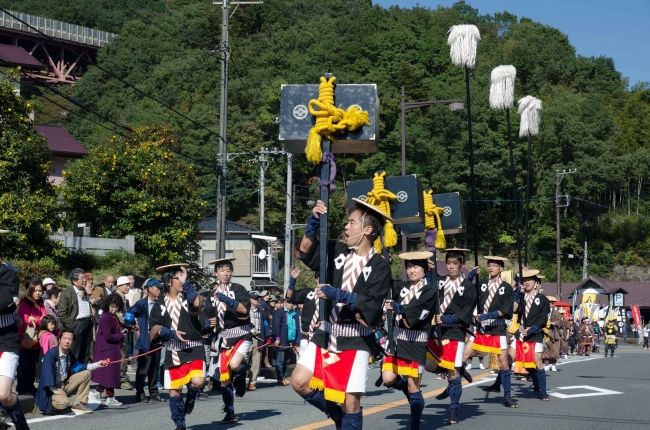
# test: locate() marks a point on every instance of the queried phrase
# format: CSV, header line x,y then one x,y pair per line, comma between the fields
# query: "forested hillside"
x,y
592,119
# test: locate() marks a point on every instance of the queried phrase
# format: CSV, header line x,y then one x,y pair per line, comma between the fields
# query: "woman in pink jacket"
x,y
30,311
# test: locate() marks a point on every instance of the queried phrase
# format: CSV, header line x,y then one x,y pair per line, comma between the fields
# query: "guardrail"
x,y
56,29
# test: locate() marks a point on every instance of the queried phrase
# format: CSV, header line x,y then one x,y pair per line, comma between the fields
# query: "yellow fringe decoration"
x,y
485,348
179,383
334,395
316,384
514,326
330,119
525,365
546,330
400,370
378,197
431,217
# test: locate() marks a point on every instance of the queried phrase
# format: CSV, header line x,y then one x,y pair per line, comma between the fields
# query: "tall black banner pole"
x,y
514,193
325,305
471,177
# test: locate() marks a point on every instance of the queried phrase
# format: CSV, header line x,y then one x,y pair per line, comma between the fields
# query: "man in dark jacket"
x,y
260,331
286,329
147,364
62,375
75,314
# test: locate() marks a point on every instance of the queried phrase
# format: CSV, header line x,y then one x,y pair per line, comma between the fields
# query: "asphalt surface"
x,y
586,393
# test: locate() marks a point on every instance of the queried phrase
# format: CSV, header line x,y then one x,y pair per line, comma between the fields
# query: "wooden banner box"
x,y
409,206
453,218
296,121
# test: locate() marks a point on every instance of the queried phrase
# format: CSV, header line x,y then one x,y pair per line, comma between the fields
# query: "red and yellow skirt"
x,y
449,356
243,346
489,343
179,376
526,353
401,366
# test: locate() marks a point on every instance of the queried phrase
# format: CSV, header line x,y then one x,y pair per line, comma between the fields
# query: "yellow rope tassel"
x,y
431,215
330,119
379,197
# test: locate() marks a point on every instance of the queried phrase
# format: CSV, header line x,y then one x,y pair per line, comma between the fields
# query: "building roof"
x,y
209,225
60,141
17,56
636,293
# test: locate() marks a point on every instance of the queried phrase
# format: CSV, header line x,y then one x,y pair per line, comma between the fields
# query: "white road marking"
x,y
92,406
579,361
595,391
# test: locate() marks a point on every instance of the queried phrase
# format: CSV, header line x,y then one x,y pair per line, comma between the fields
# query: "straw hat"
x,y
370,207
551,299
454,249
221,260
419,255
165,268
529,273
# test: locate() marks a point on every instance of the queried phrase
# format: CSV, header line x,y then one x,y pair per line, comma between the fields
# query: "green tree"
x,y
28,204
138,186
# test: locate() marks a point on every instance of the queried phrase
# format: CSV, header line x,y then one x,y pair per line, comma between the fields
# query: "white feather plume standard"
x,y
530,109
463,40
502,88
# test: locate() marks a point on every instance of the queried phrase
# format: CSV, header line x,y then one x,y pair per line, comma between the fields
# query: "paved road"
x,y
586,393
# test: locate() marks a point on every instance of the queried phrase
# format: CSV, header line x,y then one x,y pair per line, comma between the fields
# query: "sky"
x,y
619,29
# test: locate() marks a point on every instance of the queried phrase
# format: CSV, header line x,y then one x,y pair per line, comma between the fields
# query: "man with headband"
x,y
334,367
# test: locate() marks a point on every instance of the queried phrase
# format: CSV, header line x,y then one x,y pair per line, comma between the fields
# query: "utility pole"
x,y
559,175
585,264
262,167
287,227
222,161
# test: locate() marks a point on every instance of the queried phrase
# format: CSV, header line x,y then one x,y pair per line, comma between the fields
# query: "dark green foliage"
x,y
589,122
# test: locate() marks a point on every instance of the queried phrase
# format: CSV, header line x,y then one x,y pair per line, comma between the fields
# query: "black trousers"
x,y
147,369
83,336
27,361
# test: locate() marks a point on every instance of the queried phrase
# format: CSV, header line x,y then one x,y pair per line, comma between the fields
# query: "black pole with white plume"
x,y
463,40
530,109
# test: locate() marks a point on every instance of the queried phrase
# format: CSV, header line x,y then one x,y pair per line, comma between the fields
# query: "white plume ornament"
x,y
463,40
530,109
502,88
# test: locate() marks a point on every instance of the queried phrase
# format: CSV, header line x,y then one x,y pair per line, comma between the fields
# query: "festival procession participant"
x,y
610,337
533,316
334,367
553,338
170,321
413,304
457,299
229,307
309,315
148,364
9,344
586,336
563,327
495,304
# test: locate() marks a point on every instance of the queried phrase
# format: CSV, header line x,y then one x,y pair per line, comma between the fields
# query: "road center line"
x,y
381,408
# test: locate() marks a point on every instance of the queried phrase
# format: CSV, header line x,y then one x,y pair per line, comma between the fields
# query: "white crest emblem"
x,y
502,291
366,272
231,294
339,261
483,287
184,304
404,292
311,295
162,309
214,301
461,290
537,301
424,314
441,284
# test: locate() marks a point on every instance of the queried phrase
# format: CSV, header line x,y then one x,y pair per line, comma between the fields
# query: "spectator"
x,y
46,338
645,335
48,284
95,294
74,314
287,333
625,329
148,364
108,347
264,302
30,311
260,331
47,334
109,284
52,303
123,285
61,375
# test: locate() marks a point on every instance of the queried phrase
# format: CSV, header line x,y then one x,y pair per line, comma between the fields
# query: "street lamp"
x,y
454,105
